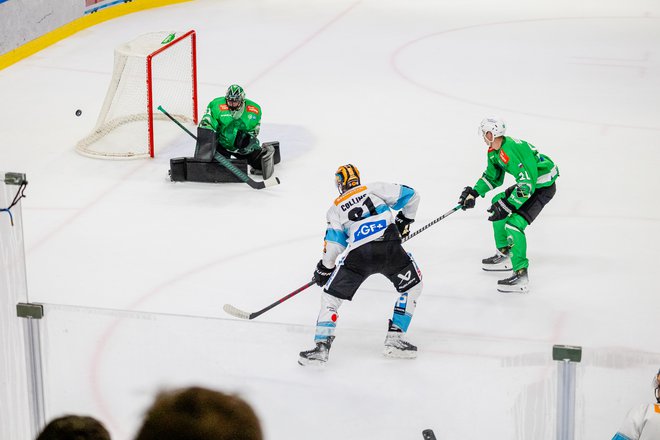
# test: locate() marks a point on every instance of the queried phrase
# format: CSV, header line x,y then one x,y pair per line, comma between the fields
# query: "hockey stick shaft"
x,y
428,225
245,315
177,122
226,162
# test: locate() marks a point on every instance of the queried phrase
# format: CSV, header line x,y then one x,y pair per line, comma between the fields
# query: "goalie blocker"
x,y
202,168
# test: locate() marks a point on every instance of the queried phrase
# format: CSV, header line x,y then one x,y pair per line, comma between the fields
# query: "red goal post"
x,y
154,69
150,106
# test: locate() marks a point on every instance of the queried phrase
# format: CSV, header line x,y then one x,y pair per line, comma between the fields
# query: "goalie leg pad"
x,y
178,169
267,160
206,144
276,146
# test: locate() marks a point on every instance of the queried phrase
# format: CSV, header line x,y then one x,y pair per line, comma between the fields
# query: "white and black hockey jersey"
x,y
362,214
642,423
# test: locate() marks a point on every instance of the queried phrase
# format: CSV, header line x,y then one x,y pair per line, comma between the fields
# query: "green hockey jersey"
x,y
531,170
227,123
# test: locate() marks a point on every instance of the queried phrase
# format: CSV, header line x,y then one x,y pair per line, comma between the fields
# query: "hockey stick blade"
x,y
233,311
271,181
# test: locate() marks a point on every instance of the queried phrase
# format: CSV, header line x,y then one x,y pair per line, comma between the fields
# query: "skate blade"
x,y
313,362
393,353
512,289
497,267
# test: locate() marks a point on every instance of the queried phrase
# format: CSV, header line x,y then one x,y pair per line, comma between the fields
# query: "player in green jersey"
x,y
515,208
230,127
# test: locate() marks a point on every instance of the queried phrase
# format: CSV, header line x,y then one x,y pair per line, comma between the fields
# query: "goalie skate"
x,y
398,348
318,355
499,262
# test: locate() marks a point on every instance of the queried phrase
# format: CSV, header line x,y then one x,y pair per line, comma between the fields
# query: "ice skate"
x,y
397,347
501,261
317,355
517,283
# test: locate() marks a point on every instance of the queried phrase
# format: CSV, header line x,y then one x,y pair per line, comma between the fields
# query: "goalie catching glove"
x,y
403,224
322,274
245,143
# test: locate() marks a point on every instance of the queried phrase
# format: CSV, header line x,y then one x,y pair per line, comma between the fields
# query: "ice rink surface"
x,y
135,269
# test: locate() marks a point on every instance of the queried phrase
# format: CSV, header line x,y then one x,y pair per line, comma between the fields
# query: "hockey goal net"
x,y
156,69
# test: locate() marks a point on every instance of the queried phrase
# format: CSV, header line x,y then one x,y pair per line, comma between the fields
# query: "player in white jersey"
x,y
364,238
642,421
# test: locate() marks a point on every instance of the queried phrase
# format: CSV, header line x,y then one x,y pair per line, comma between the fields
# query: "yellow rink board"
x,y
77,25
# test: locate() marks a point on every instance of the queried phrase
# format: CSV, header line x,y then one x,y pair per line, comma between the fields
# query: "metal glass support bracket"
x,y
568,356
32,314
15,178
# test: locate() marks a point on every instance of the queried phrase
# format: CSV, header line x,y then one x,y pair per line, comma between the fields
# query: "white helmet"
x,y
494,125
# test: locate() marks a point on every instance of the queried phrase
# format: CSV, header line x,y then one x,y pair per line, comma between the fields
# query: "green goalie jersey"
x,y
531,170
227,123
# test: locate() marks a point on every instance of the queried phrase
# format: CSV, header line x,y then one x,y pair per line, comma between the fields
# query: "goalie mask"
x,y
347,177
235,97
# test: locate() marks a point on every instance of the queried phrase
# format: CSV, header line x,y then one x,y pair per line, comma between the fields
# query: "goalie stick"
x,y
238,313
272,181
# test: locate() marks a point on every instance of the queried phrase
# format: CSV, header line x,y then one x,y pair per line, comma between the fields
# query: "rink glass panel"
x,y
110,364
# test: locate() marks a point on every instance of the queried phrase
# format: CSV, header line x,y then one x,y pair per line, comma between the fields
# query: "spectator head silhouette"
x,y
72,427
197,413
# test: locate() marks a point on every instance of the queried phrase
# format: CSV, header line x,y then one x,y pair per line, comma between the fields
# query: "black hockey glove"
x,y
403,224
500,210
322,274
468,198
242,140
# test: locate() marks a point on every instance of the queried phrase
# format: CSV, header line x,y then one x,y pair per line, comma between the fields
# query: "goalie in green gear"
x,y
230,127
515,208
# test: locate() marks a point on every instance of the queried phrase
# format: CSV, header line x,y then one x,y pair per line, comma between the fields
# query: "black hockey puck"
x,y
78,112
428,434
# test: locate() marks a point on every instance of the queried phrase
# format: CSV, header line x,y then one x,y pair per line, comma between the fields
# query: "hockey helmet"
x,y
347,177
235,97
495,125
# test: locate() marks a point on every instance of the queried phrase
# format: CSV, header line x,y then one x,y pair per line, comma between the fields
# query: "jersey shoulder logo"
x,y
504,157
252,109
224,107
